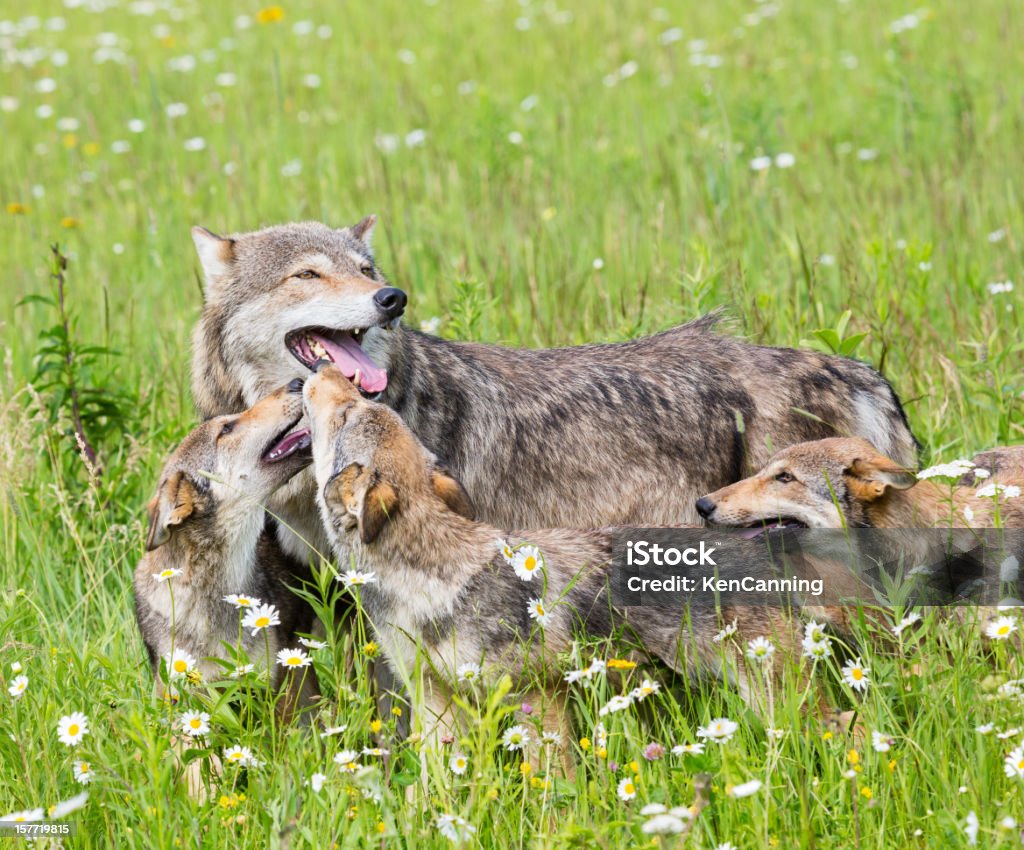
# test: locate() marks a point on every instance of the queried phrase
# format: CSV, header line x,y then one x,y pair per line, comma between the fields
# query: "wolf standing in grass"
x,y
626,433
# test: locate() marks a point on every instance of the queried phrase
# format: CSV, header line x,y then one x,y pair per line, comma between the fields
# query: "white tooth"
x,y
317,348
357,378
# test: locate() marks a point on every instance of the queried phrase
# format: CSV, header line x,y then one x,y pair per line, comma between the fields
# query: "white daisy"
x,y
985,728
616,703
239,755
663,824
855,674
313,644
1001,628
882,742
166,574
653,809
515,737
760,649
728,631
646,688
626,789
971,826
1008,733
83,772
241,600
600,736
292,658
66,807
1013,764
909,620
17,686
688,749
375,751
346,759
527,562
539,611
72,728
458,764
720,730
745,789
23,817
16,667
551,738
316,782
507,552
454,828
180,664
356,578
260,617
334,730
468,672
195,723
242,670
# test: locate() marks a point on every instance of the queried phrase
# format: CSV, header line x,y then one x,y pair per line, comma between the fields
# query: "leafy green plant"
x,y
834,340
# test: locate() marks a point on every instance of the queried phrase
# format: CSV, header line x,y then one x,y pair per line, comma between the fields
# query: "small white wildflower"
x,y
260,617
458,763
745,789
166,575
855,674
626,789
468,672
953,469
728,631
1001,628
538,610
881,742
356,578
616,703
760,163
785,160
909,620
515,737
17,686
527,561
72,728
720,730
292,658
195,723
194,144
760,649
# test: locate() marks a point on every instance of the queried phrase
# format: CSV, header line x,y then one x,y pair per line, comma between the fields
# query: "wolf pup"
x,y
625,433
847,482
442,585
207,523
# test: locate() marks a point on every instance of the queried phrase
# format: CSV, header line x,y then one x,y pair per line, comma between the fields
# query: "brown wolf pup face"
x,y
231,462
820,484
278,300
374,466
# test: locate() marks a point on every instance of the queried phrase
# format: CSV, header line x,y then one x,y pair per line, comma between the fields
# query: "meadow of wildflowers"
x,y
836,173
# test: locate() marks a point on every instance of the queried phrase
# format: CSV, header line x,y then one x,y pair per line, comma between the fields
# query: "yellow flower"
x,y
620,664
853,757
826,736
549,214
381,827
584,744
370,650
91,148
525,768
602,753
69,222
634,766
168,41
14,208
865,792
892,766
492,794
375,726
70,140
397,711
270,15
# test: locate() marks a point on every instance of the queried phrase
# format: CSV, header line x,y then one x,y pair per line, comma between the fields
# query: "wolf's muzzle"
x,y
391,301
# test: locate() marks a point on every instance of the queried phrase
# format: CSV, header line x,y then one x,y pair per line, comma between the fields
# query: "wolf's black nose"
x,y
295,385
705,507
391,301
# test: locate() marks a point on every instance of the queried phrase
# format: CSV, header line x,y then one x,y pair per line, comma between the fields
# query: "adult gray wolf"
x,y
207,527
442,586
604,434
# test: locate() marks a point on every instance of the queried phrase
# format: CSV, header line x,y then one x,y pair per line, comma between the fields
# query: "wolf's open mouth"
x,y
344,349
288,443
764,526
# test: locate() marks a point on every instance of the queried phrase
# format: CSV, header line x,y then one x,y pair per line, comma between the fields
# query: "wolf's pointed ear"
x,y
173,503
874,475
452,493
364,496
363,231
215,253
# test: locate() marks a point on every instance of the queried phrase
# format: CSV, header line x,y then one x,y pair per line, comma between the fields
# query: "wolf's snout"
x,y
705,507
391,301
295,385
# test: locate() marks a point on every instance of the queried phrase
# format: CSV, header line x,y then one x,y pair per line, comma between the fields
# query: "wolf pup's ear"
x,y
876,474
173,503
452,493
363,231
364,496
215,253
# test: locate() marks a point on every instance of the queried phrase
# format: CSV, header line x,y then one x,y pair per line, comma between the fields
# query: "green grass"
x,y
904,166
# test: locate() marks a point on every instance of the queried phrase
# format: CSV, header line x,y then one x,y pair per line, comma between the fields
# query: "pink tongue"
x,y
350,357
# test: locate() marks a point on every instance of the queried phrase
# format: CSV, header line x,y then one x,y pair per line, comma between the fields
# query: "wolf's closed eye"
x,y
784,477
